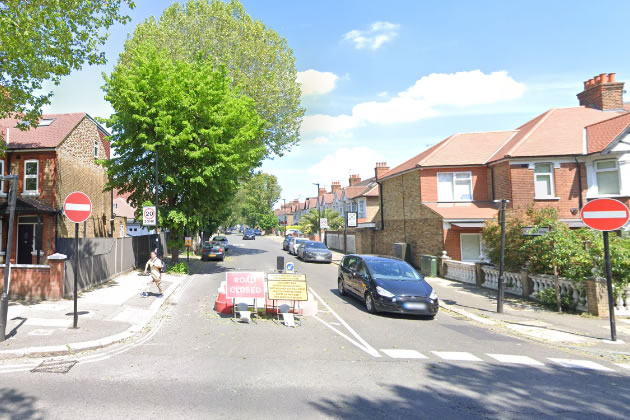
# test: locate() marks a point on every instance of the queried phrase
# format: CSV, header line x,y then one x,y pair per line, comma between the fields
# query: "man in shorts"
x,y
154,268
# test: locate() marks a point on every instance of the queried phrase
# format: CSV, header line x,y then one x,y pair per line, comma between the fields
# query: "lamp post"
x,y
284,212
157,219
319,212
501,286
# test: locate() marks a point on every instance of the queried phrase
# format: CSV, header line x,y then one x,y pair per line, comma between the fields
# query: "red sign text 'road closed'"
x,y
605,214
245,285
77,207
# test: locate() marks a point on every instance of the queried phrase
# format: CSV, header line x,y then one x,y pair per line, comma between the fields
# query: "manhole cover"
x,y
55,366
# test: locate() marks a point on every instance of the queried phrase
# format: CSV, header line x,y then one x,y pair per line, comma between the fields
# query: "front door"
x,y
25,244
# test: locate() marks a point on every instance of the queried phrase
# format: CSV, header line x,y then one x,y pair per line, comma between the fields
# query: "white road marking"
x,y
366,347
511,358
403,354
360,346
580,364
624,365
457,355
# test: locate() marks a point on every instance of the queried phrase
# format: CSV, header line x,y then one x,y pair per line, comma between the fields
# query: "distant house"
x,y
127,213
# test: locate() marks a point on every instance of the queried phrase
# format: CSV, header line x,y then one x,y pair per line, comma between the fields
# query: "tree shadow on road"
x,y
357,303
16,405
448,391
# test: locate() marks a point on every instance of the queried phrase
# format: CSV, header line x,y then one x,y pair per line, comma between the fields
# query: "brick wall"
x,y
479,174
452,244
78,171
373,204
33,283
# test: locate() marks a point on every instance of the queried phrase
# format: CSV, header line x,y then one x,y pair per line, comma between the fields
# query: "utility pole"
x,y
4,302
157,219
284,212
501,286
319,212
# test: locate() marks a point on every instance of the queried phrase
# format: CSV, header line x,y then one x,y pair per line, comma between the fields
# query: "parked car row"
x,y
306,249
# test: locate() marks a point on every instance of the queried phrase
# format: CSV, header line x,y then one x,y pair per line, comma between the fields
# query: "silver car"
x,y
293,245
314,251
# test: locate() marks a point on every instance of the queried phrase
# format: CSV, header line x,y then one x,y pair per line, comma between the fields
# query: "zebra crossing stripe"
x,y
520,360
457,355
580,364
403,354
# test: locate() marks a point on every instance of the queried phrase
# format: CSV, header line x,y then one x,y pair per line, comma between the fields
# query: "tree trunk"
x,y
175,254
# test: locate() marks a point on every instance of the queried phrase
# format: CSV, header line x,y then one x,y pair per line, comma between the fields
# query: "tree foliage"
x,y
207,134
258,60
309,223
44,40
256,199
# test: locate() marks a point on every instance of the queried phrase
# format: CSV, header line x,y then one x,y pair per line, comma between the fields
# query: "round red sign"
x,y
605,214
77,207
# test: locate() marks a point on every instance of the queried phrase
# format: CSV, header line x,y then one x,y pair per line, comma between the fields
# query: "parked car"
x,y
257,232
249,234
223,240
213,251
294,245
287,242
228,231
386,284
293,232
314,251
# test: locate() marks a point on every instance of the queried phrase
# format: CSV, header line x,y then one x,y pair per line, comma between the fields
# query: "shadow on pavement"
x,y
450,391
357,303
15,404
238,251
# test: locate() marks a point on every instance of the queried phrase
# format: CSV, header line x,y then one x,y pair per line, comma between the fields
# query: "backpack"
x,y
163,268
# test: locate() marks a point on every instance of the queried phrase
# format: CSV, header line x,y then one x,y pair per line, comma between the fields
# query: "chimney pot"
x,y
603,77
611,77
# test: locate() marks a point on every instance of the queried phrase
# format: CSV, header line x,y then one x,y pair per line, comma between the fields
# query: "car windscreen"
x,y
219,238
392,270
315,245
300,241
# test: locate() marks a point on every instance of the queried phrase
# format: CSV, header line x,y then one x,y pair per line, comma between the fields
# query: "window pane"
x,y
445,186
462,175
31,168
607,164
542,168
608,182
471,247
543,185
463,190
31,184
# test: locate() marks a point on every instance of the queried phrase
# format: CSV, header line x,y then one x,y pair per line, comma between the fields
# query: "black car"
x,y
386,284
314,251
212,251
249,234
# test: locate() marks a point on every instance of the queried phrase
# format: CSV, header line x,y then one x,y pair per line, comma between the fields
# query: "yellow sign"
x,y
188,241
286,277
287,290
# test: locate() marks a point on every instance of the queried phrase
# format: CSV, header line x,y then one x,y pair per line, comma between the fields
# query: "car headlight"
x,y
433,295
383,292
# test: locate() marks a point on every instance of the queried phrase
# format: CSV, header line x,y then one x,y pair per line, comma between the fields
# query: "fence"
x,y
100,259
461,271
513,283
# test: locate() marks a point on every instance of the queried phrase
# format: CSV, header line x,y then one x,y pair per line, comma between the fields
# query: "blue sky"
x,y
384,80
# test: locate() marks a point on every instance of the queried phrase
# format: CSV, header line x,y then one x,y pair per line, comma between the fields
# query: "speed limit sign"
x,y
148,215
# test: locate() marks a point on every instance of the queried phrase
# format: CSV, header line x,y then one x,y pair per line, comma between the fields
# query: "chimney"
x,y
322,191
335,186
354,179
381,168
602,92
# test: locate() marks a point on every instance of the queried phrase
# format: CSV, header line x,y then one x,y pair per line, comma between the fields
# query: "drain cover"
x,y
55,366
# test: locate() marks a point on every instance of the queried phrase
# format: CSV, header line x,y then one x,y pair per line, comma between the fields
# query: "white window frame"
x,y
96,149
36,176
551,181
597,171
2,193
453,182
481,256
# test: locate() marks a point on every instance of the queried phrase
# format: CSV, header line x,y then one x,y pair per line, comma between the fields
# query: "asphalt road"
x,y
342,363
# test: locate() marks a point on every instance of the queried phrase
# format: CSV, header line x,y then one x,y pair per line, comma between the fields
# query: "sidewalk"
x,y
108,314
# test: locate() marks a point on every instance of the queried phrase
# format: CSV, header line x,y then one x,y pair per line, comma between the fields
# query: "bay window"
x,y
454,186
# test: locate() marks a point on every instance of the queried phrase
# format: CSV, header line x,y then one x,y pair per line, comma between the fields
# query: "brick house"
x,y
51,161
440,199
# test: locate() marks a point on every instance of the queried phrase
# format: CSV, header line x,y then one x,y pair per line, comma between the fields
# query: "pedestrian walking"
x,y
154,268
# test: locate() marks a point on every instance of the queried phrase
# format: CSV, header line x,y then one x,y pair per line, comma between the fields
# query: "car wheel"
x,y
341,287
369,303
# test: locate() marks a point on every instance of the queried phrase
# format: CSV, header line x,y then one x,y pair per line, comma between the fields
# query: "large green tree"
x,y
256,199
44,40
258,60
207,134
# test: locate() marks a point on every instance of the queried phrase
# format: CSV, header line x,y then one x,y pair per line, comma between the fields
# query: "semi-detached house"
x,y
439,199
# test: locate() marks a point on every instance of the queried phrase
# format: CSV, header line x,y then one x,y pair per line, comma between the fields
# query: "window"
x,y
1,182
454,186
96,149
45,122
471,246
31,176
543,180
362,209
607,174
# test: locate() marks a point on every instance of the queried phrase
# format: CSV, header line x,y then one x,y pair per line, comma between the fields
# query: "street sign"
x,y
289,267
323,223
188,241
352,219
605,214
149,215
287,287
245,285
77,207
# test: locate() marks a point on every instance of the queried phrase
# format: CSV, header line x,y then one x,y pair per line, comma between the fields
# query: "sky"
x,y
382,81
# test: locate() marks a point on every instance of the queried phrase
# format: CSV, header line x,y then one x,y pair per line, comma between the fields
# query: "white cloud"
x,y
396,110
345,161
373,38
321,123
315,82
321,140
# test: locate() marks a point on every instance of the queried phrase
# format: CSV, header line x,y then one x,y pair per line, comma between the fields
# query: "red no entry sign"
x,y
77,207
605,214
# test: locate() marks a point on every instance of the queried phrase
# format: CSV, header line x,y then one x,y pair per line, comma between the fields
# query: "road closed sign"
x,y
605,214
149,215
245,285
77,207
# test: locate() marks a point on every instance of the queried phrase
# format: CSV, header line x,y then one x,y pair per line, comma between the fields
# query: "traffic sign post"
x,y
606,214
188,243
77,207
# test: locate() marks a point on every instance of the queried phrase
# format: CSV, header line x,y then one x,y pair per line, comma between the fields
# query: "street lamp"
x,y
319,212
157,219
284,212
501,286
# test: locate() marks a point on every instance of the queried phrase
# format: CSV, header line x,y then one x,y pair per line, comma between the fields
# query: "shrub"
x,y
548,298
179,268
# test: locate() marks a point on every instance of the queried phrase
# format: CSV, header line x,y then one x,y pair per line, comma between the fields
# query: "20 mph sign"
x,y
148,215
605,214
77,207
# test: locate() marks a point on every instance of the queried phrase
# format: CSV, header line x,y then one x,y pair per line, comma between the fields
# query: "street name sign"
x,y
323,223
287,287
77,207
605,214
149,215
245,285
352,219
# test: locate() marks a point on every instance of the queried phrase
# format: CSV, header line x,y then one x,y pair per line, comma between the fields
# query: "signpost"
x,y
77,207
148,215
289,267
188,244
606,214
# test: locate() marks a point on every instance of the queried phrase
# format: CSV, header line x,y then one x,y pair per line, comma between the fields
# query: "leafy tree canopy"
x,y
257,197
43,40
309,223
258,60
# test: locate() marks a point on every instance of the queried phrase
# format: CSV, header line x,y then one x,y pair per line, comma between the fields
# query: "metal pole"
x,y
611,303
39,241
319,212
284,210
500,288
76,274
157,219
4,302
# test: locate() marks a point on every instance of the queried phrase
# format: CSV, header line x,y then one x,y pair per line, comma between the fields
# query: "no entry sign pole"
x,y
77,207
606,214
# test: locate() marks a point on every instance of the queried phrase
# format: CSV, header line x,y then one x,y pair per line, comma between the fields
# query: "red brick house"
x,y
440,199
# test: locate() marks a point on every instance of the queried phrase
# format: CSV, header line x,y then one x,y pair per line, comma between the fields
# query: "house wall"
x,y
372,206
48,240
78,171
429,184
452,244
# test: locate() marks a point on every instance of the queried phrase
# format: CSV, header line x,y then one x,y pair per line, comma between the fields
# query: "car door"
x,y
346,273
360,278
